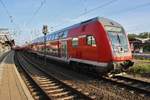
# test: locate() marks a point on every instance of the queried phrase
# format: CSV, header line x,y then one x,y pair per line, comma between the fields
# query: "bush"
x,y
140,69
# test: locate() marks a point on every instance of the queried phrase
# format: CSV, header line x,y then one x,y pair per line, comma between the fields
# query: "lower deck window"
x,y
75,42
91,40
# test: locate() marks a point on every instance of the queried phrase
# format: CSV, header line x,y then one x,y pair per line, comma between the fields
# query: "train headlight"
x,y
115,49
121,49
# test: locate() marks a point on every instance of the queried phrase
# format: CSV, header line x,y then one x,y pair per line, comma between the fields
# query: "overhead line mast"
x,y
9,15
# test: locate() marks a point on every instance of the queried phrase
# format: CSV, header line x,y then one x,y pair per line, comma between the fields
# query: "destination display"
x,y
113,29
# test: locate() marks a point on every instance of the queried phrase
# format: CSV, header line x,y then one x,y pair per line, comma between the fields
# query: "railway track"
x,y
94,87
130,83
35,90
134,85
51,87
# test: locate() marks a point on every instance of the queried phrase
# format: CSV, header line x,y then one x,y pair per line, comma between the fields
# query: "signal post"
x,y
45,31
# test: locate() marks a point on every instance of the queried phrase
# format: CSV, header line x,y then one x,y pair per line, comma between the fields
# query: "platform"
x,y
12,86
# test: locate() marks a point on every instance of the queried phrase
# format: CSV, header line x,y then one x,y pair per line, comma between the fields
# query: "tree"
x,y
132,36
143,35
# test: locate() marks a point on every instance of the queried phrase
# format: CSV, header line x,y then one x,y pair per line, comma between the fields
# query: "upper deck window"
x,y
56,36
63,34
48,37
91,40
53,36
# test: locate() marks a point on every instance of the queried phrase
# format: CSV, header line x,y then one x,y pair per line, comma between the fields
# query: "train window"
x,y
52,37
41,39
48,37
91,40
75,42
61,35
56,36
65,33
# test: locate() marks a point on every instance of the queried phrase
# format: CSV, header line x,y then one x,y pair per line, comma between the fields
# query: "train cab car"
x,y
99,45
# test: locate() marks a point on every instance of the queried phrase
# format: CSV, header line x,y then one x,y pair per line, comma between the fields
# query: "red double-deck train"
x,y
98,45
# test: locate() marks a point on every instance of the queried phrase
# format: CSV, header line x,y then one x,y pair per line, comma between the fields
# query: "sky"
x,y
25,18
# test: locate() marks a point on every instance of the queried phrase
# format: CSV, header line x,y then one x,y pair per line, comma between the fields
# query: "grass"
x,y
141,58
141,67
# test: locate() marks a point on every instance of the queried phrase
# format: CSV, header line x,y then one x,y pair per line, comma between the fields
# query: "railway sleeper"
x,y
45,82
36,93
58,94
56,90
51,87
33,90
42,78
46,85
51,84
67,98
38,97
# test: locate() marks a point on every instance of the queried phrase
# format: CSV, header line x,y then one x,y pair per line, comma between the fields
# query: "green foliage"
x,y
140,68
132,36
140,35
143,35
146,48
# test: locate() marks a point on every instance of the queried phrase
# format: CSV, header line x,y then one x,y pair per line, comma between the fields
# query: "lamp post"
x,y
45,31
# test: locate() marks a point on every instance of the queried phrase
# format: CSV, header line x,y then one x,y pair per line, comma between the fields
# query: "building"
x,y
4,38
137,44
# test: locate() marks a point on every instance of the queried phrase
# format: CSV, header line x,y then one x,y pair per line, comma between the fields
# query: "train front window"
x,y
118,38
114,38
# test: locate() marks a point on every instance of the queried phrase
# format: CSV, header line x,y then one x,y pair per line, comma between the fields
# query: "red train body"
x,y
98,42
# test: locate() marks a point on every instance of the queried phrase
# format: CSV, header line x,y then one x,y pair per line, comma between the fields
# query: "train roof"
x,y
104,21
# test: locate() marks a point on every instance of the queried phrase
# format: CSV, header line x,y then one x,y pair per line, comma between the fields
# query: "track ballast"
x,y
50,86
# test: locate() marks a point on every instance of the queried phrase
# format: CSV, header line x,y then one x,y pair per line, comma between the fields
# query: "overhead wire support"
x,y
132,8
93,9
8,13
36,12
98,7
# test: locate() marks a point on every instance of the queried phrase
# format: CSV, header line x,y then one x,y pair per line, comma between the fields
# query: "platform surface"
x,y
10,85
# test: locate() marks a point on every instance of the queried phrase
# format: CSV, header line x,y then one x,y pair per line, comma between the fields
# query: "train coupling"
x,y
120,67
125,66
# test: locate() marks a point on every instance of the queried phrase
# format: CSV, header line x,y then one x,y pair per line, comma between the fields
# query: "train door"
x,y
63,49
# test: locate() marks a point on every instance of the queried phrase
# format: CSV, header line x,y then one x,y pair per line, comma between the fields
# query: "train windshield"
x,y
118,38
